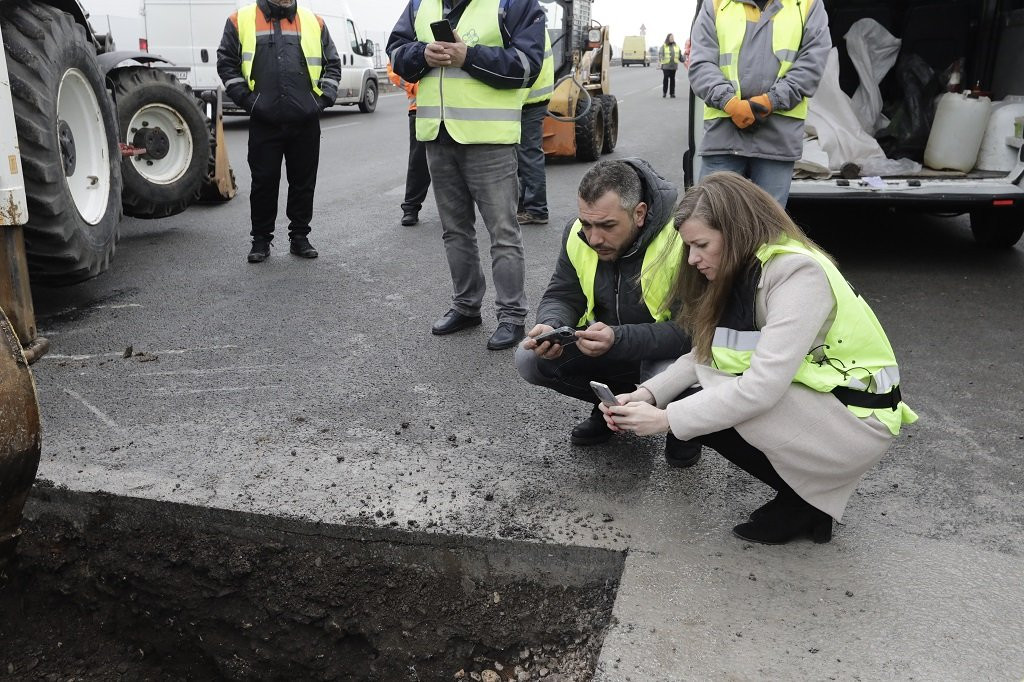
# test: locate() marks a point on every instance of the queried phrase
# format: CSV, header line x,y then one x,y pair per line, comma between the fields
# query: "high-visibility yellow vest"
x,y
661,263
473,112
669,55
545,84
855,355
731,19
252,23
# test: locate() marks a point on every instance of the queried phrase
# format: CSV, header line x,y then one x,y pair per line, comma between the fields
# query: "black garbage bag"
x,y
911,113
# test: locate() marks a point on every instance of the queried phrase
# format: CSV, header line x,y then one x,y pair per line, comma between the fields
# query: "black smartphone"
x,y
442,31
563,336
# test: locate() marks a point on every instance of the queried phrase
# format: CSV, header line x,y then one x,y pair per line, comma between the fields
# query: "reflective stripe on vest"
x,y
473,112
545,84
252,23
856,353
661,263
731,17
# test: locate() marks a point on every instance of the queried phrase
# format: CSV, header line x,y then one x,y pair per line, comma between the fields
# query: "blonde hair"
x,y
748,217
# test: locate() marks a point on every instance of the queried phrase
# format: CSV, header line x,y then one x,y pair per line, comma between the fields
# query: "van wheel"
x,y
157,112
67,135
997,229
610,105
590,130
369,102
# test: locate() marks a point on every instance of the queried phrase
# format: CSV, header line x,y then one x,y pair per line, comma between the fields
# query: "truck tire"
x,y
997,229
368,103
610,105
67,134
157,112
589,129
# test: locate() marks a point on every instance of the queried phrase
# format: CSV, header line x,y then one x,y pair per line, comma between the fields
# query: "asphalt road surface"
x,y
314,389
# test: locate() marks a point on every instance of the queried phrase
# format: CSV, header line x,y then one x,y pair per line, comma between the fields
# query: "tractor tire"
x,y
590,130
997,228
368,103
157,112
67,134
610,105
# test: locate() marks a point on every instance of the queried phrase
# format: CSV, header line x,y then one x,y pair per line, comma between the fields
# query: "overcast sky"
x,y
625,17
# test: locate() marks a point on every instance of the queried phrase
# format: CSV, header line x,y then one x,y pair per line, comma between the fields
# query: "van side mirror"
x,y
367,48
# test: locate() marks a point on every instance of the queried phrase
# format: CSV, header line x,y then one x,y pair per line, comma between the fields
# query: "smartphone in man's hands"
x,y
604,393
443,32
563,336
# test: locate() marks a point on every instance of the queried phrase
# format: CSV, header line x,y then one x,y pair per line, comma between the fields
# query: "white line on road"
x,y
117,354
92,408
395,191
217,370
342,125
176,391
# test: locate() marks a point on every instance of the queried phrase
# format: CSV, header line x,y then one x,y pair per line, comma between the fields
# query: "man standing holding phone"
x,y
471,89
612,282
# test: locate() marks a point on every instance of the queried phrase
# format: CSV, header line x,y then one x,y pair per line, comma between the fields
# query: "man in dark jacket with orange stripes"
x,y
278,62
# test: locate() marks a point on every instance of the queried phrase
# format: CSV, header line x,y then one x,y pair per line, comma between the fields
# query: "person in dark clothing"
x,y
417,175
267,72
669,56
612,282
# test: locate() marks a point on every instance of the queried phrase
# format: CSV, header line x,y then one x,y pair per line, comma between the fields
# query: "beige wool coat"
x,y
817,445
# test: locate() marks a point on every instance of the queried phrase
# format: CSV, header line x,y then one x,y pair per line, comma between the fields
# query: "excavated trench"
x,y
116,588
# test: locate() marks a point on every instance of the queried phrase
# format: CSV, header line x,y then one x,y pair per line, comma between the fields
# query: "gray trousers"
x,y
484,175
533,180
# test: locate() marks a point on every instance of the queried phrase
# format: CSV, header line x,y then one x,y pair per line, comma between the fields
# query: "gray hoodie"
x,y
618,296
778,137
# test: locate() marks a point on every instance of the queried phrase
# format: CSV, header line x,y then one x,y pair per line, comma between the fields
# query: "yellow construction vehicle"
x,y
583,115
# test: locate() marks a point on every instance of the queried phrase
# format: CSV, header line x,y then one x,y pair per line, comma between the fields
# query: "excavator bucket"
x,y
19,437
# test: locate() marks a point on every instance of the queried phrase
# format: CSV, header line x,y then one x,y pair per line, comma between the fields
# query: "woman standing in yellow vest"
x,y
669,58
800,387
755,63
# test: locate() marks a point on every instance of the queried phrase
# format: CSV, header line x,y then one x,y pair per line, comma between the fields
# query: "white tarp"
x,y
873,51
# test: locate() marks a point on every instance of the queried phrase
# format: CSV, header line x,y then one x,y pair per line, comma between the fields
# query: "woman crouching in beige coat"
x,y
791,377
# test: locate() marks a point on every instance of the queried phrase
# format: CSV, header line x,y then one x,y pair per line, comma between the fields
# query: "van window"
x,y
356,42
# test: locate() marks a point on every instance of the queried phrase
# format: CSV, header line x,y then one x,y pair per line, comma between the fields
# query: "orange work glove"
x,y
761,106
740,112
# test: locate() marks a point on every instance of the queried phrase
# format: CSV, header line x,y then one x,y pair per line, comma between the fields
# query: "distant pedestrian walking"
x,y
279,64
417,176
669,55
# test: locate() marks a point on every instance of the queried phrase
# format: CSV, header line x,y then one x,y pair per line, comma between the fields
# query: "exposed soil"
x,y
109,588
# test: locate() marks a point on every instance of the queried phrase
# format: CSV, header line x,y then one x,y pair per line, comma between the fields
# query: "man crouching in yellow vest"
x,y
473,80
611,284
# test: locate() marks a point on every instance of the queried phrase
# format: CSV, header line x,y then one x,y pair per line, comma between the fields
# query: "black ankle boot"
x,y
766,508
783,520
592,430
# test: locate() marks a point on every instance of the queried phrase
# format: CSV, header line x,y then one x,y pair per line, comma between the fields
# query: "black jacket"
x,y
618,296
284,93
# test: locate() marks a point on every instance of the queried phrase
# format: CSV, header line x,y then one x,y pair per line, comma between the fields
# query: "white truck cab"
x,y
982,41
188,33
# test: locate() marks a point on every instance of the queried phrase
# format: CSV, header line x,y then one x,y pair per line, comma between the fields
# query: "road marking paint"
x,y
118,354
237,389
395,191
92,408
341,125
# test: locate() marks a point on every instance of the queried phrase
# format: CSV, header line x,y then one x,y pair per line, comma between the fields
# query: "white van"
x,y
188,33
982,41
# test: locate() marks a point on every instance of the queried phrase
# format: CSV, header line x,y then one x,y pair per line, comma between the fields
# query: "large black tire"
x,y
368,103
610,104
997,229
71,234
590,129
156,111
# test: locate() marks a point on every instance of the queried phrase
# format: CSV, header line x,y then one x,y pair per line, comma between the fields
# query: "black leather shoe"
x,y
260,251
591,431
410,217
681,453
454,321
507,334
301,247
766,508
784,521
